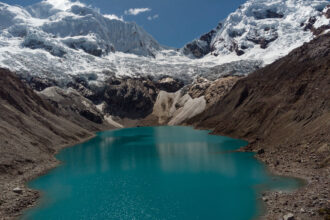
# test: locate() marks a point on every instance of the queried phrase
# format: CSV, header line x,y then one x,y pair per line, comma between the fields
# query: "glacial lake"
x,y
155,173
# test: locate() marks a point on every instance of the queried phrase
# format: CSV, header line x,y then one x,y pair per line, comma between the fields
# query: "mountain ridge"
x,y
63,42
258,27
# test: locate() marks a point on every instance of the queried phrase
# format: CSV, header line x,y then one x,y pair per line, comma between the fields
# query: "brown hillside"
x,y
284,111
31,131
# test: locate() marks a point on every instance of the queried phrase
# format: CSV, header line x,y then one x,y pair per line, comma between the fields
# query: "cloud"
x,y
136,11
63,4
114,17
150,18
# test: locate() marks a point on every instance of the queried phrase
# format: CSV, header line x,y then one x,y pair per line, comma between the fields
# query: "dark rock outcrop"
x,y
234,47
34,43
39,84
169,84
212,91
327,13
93,93
96,118
73,103
126,97
267,14
202,46
93,48
262,41
197,49
130,98
309,26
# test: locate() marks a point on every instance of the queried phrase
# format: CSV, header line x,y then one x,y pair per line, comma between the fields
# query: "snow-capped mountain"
x,y
63,40
60,40
76,26
263,30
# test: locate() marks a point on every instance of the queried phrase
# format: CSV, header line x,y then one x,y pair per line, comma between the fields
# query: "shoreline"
x,y
54,166
276,203
301,203
18,203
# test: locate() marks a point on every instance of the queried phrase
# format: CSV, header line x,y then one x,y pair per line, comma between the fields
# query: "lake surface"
x,y
155,173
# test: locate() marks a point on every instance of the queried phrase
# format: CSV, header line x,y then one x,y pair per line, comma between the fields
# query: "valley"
x,y
262,75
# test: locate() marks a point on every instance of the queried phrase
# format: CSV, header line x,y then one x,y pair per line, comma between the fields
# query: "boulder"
x,y
288,216
18,190
261,151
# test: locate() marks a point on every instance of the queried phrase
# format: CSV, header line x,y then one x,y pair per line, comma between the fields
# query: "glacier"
x,y
61,40
261,29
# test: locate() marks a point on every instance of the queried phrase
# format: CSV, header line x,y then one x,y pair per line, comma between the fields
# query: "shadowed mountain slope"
x,y
31,131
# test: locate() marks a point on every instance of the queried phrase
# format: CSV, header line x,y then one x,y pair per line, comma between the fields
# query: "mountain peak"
x,y
262,29
77,26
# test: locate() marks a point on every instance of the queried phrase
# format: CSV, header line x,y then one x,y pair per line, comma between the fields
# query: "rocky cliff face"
x,y
284,111
173,108
202,46
73,103
126,97
132,98
212,91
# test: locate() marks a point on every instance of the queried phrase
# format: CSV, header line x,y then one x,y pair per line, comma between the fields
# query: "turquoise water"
x,y
155,173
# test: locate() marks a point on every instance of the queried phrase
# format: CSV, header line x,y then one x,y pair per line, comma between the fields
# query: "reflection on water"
x,y
155,173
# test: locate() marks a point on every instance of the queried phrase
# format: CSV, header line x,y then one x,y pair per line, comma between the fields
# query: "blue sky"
x,y
171,22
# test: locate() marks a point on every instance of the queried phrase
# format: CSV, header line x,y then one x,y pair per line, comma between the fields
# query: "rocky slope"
x,y
125,97
173,108
32,130
284,111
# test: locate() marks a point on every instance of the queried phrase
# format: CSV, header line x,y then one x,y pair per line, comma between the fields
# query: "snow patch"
x,y
174,108
112,122
190,109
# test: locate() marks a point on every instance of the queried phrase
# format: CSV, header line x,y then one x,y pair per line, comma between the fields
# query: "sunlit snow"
x,y
60,39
